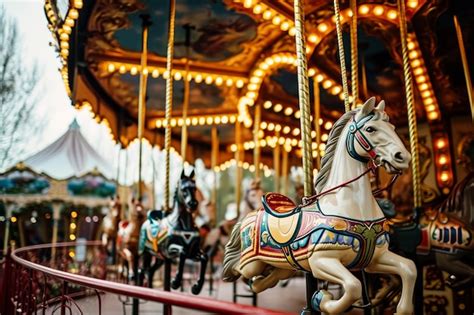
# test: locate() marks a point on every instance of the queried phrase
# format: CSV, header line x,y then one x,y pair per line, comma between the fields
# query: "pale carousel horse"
x,y
339,230
176,236
128,237
110,226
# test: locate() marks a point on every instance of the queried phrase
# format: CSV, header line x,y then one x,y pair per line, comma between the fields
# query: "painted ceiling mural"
x,y
217,32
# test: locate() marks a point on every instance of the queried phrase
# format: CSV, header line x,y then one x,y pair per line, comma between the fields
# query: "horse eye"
x,y
370,129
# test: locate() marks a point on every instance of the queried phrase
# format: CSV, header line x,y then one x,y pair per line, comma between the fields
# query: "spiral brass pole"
x,y
412,125
284,170
354,54
305,121
303,98
142,98
184,128
214,158
276,162
238,165
256,140
342,59
169,99
465,65
317,115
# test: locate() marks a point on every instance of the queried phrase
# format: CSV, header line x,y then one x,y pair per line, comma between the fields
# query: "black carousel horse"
x,y
175,236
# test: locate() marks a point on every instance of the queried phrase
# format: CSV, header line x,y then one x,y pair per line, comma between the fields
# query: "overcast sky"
x,y
54,104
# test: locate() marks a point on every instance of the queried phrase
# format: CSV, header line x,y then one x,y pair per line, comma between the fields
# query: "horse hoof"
x,y
175,284
196,289
318,298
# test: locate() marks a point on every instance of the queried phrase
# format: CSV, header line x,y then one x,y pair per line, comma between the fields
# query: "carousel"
x,y
341,131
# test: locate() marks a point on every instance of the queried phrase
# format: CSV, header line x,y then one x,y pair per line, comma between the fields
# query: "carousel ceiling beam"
x,y
159,63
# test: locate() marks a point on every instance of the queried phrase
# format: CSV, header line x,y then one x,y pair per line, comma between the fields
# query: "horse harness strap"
x,y
356,133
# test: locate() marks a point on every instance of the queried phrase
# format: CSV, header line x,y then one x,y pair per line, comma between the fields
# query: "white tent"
x,y
70,155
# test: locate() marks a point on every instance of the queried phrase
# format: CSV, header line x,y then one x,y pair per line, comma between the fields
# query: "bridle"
x,y
356,134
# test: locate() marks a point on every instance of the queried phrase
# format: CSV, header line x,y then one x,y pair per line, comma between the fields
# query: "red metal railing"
x,y
21,293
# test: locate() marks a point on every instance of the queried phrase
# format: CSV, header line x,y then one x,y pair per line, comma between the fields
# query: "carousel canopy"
x,y
241,55
70,155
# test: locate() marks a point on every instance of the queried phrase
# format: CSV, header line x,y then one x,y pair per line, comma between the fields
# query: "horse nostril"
x,y
398,157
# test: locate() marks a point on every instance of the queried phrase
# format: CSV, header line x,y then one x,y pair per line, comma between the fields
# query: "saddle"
x,y
284,218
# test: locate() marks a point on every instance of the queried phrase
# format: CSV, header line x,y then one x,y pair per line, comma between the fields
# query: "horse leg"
x,y
261,283
388,262
146,261
325,266
176,282
129,258
196,288
151,271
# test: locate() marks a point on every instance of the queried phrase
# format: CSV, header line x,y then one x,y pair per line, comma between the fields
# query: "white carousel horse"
x,y
110,225
128,236
343,229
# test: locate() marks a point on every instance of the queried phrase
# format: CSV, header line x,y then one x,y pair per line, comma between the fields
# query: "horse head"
x,y
186,192
254,194
137,211
372,137
115,206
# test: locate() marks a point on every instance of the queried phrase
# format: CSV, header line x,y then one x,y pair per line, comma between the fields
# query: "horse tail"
x,y
232,255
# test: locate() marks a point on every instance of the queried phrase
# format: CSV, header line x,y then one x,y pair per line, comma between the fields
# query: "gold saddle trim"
x,y
282,230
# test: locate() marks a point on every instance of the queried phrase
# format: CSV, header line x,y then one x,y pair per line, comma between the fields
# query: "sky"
x,y
54,106
58,113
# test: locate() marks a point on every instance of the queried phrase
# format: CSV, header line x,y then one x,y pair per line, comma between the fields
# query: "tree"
x,y
18,94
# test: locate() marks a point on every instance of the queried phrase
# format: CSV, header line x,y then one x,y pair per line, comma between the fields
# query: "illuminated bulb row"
x,y
422,79
86,107
245,165
258,8
273,141
264,68
295,131
443,162
63,34
198,77
73,226
197,120
288,111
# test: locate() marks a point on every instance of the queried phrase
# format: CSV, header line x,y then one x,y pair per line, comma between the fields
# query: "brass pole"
x,y
169,99
276,162
214,157
342,57
238,166
284,171
354,54
303,98
142,97
465,65
412,125
317,116
256,140
184,128
365,90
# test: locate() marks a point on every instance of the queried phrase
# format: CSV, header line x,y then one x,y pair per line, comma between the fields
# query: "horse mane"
x,y
331,144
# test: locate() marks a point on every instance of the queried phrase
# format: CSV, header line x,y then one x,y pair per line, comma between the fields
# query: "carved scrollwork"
x,y
107,17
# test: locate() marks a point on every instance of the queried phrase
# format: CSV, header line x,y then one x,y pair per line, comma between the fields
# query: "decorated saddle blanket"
x,y
292,227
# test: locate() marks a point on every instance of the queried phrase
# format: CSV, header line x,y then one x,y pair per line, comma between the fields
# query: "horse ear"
x,y
192,174
381,106
368,107
182,174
